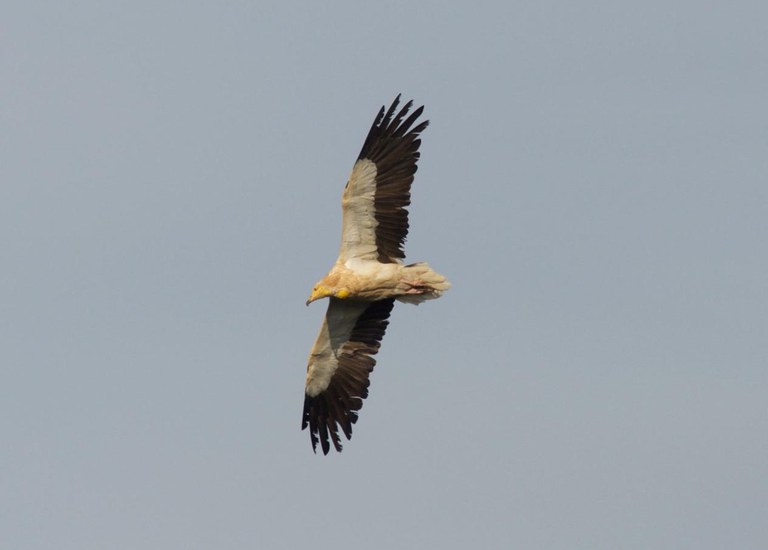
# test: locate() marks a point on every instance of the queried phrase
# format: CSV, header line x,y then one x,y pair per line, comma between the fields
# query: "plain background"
x,y
593,182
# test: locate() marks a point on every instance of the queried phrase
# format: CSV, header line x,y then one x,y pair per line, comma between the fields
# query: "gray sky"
x,y
593,182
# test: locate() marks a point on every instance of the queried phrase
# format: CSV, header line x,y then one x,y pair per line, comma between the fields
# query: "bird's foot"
x,y
417,287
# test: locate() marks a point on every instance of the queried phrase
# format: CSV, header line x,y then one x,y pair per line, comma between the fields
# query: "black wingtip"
x,y
389,121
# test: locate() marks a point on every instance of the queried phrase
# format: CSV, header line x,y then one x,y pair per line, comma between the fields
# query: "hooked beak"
x,y
319,292
316,295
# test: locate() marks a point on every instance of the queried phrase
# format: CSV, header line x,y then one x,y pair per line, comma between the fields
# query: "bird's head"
x,y
322,291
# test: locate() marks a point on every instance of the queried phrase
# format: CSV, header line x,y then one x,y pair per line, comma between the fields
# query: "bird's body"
x,y
370,280
367,278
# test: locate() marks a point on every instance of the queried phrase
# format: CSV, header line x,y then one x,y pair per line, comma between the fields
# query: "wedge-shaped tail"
x,y
422,283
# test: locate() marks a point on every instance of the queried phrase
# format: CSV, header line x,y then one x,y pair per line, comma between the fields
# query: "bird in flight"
x,y
368,276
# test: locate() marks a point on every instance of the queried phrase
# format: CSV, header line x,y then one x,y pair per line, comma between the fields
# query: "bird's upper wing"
x,y
375,219
339,366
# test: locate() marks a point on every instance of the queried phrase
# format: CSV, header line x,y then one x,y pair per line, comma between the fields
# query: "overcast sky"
x,y
594,183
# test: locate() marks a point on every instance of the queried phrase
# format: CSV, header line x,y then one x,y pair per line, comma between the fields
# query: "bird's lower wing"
x,y
339,367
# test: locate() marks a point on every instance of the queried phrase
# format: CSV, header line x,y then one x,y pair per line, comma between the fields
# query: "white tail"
x,y
421,283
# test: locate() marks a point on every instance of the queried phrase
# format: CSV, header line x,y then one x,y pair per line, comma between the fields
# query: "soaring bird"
x,y
368,276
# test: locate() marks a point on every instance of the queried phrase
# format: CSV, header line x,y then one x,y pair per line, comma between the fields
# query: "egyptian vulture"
x,y
368,276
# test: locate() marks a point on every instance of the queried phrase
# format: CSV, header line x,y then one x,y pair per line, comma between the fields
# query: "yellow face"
x,y
318,292
321,291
